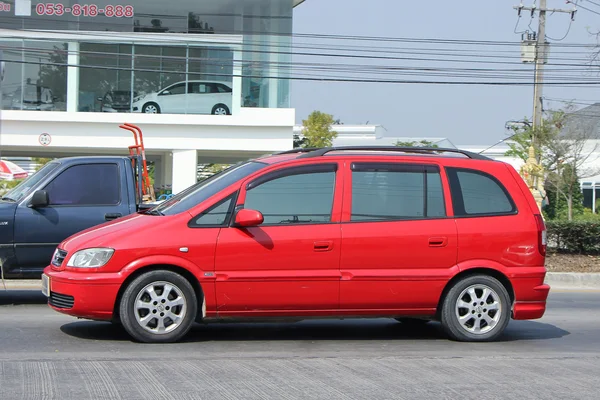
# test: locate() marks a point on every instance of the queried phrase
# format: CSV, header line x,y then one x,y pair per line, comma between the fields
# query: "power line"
x,y
585,8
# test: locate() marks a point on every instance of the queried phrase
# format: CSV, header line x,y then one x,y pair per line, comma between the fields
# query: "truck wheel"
x,y
476,309
158,307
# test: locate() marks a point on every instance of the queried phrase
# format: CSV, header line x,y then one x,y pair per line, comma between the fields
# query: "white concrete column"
x,y
167,170
185,165
236,101
73,77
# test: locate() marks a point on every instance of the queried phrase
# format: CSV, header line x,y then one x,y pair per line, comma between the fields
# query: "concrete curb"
x,y
573,280
21,284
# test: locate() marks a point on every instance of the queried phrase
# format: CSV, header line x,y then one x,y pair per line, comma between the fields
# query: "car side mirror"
x,y
246,218
165,93
39,199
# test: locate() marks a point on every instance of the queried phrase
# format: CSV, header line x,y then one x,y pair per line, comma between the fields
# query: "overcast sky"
x,y
464,114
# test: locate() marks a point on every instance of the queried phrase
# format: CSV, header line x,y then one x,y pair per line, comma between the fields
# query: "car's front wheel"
x,y
151,108
476,309
158,307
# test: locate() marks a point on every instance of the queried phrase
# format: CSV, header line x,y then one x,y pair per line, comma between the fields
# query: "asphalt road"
x,y
46,355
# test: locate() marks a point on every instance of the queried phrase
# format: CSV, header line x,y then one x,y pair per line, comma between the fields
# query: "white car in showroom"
x,y
201,97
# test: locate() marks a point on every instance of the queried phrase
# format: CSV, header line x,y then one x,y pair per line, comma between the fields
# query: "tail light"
x,y
542,236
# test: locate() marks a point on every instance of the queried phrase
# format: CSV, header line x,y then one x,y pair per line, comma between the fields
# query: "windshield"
x,y
23,188
201,191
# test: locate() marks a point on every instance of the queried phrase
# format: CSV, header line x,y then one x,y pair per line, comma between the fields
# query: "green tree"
x,y
563,145
316,131
414,143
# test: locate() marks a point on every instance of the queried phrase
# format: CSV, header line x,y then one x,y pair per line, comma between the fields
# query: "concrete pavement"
x,y
53,356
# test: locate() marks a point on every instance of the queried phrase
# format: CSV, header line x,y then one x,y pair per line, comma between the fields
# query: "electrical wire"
x,y
594,3
585,8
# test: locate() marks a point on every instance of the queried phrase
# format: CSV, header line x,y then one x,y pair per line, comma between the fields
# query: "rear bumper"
x,y
533,308
90,296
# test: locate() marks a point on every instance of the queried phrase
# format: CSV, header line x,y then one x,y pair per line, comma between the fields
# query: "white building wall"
x,y
250,133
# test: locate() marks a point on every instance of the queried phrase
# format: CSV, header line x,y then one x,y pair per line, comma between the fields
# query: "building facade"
x,y
203,79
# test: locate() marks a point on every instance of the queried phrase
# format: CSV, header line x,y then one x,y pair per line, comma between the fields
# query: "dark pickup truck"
x,y
64,197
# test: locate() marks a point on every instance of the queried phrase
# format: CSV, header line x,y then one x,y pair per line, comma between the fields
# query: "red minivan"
x,y
413,234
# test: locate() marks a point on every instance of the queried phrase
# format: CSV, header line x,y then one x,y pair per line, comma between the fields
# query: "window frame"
x,y
458,206
119,186
228,221
386,166
321,167
170,88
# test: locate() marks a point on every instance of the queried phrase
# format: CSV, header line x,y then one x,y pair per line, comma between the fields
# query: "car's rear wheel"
x,y
220,109
151,108
158,307
476,309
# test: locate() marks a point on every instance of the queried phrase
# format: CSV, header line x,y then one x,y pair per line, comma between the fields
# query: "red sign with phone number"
x,y
84,10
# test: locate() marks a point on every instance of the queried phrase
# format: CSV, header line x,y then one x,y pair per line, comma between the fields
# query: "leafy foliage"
x,y
40,161
581,237
316,131
414,143
562,148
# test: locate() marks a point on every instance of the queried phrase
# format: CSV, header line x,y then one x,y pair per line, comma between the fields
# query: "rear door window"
x,y
476,193
382,191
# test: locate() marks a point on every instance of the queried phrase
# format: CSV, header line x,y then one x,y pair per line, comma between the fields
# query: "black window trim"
x,y
228,220
453,181
425,169
119,203
291,171
300,170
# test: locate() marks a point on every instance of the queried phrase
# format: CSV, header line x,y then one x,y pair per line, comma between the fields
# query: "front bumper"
x,y
83,295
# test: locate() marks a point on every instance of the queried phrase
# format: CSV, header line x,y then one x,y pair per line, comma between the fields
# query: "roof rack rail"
x,y
422,150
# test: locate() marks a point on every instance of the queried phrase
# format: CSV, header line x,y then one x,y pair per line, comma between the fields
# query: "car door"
x,y
173,99
290,263
398,247
81,196
202,98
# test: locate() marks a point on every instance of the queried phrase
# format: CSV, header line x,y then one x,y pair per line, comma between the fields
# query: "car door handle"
x,y
324,245
438,241
110,217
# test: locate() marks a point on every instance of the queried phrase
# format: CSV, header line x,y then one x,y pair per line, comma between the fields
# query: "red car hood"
x,y
109,233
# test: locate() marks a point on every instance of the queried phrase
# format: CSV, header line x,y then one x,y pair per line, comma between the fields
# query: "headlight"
x,y
90,258
136,99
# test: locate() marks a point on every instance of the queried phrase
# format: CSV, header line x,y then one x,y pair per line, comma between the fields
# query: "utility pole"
x,y
532,171
540,59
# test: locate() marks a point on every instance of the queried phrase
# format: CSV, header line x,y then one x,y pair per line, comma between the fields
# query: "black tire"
x,y
463,332
220,107
129,315
148,105
412,321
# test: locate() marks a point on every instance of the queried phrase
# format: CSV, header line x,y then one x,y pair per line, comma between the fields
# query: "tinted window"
x,y
91,184
477,193
176,89
217,215
201,191
301,198
223,88
396,193
435,196
23,188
